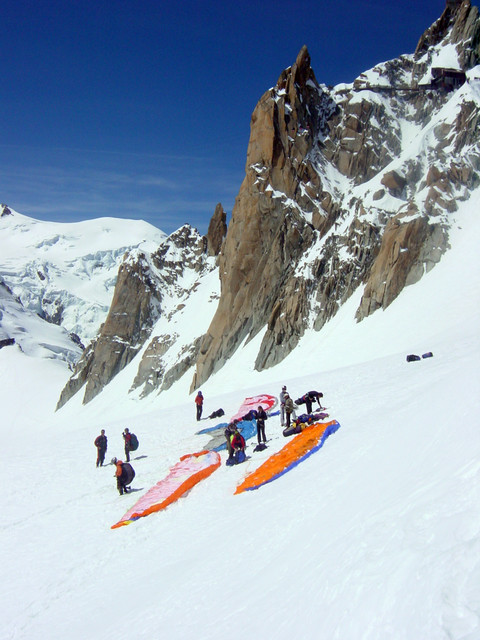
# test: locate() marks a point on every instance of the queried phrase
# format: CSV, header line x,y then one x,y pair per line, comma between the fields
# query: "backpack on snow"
x,y
133,442
217,414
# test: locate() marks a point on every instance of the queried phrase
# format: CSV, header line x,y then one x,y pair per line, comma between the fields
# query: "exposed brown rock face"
x,y
408,249
394,183
267,236
459,24
145,288
338,194
217,230
363,139
134,308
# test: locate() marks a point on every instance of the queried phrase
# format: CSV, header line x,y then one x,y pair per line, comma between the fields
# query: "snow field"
x,y
374,537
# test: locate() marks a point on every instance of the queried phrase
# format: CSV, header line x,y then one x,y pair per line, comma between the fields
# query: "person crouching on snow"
x,y
238,446
124,474
229,433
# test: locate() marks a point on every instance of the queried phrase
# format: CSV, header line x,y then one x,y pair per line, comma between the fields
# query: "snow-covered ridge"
x,y
66,272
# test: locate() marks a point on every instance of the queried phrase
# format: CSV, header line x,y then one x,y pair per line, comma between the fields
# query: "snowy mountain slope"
x,y
375,536
66,272
156,295
32,335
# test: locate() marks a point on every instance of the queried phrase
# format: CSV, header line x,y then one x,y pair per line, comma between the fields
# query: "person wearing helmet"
x,y
238,446
124,474
229,433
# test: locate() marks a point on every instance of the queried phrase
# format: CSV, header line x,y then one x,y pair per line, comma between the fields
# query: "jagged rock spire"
x,y
217,230
299,73
263,243
459,24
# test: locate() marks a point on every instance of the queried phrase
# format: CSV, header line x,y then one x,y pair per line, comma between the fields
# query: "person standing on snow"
x,y
289,407
127,436
282,406
261,417
101,444
199,403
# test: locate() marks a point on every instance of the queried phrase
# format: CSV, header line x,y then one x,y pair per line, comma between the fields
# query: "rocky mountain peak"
x,y
458,25
217,230
345,189
150,287
326,206
298,74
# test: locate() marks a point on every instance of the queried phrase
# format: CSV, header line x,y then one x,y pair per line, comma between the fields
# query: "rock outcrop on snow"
x,y
150,288
217,230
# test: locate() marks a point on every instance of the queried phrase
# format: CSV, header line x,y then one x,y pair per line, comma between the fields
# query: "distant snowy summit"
x,y
161,308
66,272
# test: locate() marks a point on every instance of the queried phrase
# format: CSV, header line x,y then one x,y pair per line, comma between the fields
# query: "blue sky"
x,y
141,109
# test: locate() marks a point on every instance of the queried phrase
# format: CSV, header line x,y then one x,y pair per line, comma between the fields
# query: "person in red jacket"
x,y
127,436
124,474
199,403
238,446
101,444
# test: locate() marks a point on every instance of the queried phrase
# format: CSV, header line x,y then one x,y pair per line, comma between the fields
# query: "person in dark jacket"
x,y
282,405
311,397
261,417
101,444
199,403
127,436
124,474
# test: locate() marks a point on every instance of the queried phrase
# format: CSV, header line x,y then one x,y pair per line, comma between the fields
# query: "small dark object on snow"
x,y
237,458
7,342
412,358
429,354
217,413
